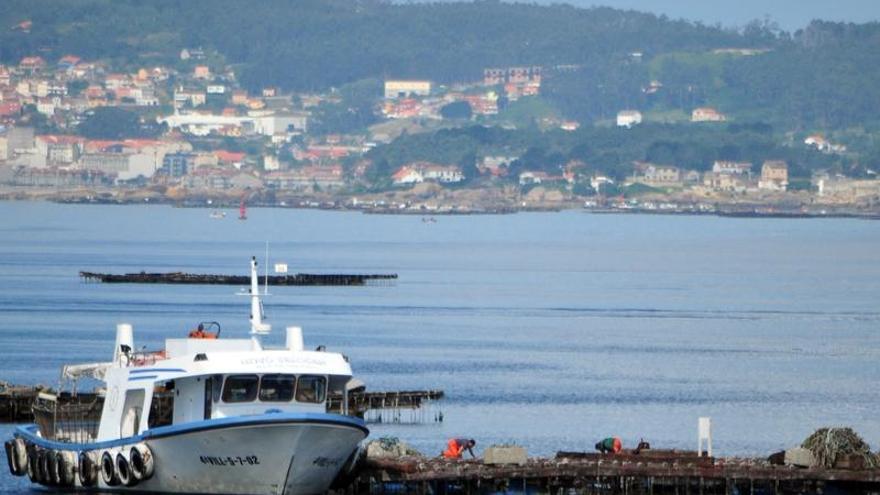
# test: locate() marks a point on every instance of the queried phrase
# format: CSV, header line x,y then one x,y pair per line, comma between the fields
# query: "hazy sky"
x,y
790,14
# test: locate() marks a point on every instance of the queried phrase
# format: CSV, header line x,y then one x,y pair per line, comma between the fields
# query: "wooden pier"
x,y
649,472
299,279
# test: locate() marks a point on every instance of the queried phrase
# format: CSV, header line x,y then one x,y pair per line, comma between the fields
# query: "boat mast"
x,y
258,327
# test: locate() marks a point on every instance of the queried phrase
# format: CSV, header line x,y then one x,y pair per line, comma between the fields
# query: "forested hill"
x,y
314,44
824,76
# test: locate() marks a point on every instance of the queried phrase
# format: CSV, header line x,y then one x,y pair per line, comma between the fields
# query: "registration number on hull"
x,y
225,461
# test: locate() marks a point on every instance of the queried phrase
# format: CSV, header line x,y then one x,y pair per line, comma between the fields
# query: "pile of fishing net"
x,y
829,445
390,447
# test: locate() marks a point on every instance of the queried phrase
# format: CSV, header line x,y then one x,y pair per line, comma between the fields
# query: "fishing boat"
x,y
245,418
218,214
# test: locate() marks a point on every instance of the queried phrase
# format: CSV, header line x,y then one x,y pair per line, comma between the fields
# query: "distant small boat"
x,y
217,214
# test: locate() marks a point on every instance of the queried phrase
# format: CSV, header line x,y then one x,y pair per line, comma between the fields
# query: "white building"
x,y
729,167
707,114
265,123
271,163
421,171
442,173
124,166
404,89
597,181
629,118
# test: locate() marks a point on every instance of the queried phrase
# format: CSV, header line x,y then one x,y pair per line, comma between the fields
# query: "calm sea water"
x,y
549,330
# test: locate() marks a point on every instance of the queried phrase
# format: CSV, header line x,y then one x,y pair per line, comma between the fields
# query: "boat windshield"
x,y
271,387
277,388
311,389
240,388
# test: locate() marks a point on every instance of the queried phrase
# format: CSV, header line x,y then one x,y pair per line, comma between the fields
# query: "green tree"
x,y
76,87
457,110
116,123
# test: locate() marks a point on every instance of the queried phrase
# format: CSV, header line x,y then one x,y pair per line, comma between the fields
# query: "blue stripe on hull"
x,y
157,370
29,432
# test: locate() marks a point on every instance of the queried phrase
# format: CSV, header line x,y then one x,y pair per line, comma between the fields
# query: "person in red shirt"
x,y
456,446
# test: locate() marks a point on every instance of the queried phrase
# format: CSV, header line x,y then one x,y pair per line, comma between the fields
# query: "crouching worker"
x,y
610,444
456,446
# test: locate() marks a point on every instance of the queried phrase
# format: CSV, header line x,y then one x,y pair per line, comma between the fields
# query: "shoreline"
x,y
720,210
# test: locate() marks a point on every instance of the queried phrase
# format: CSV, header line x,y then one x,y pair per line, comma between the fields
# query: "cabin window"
x,y
311,389
277,388
162,405
240,388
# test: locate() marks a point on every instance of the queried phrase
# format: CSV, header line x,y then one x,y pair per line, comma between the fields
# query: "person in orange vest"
x,y
610,444
200,333
456,446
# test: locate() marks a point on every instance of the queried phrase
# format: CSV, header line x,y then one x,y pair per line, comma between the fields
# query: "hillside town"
x,y
214,143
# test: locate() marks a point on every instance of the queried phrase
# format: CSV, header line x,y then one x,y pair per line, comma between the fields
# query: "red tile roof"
x,y
229,156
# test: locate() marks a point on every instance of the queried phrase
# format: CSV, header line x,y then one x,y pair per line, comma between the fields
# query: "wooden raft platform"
x,y
658,471
361,402
299,279
16,401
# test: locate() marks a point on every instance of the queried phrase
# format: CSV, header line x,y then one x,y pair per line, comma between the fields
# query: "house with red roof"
x,y
236,159
407,175
32,64
10,108
68,62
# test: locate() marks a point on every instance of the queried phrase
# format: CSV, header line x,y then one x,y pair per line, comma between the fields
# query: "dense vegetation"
x,y
823,78
314,44
609,151
117,123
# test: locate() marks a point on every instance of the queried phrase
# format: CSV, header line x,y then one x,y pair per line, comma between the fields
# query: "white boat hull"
x,y
269,454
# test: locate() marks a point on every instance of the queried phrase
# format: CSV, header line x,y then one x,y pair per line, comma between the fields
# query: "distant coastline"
x,y
608,207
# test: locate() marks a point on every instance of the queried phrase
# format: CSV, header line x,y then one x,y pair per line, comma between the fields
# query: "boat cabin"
x,y
209,379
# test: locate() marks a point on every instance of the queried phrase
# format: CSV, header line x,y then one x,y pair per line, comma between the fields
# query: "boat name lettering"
x,y
326,462
275,361
248,460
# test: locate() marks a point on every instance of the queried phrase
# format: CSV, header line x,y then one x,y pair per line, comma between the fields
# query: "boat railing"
x,y
71,419
146,358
